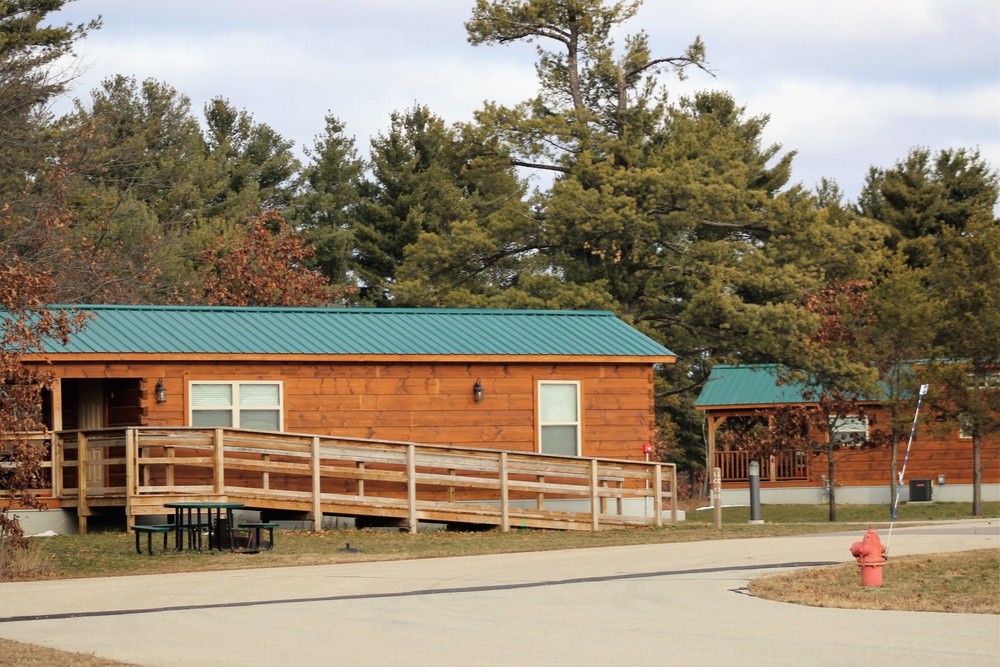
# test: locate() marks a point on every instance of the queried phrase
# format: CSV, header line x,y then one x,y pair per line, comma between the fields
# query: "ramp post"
x,y
658,495
316,488
411,486
504,493
595,504
219,463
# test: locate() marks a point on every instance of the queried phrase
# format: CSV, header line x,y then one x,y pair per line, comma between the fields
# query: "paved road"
x,y
646,605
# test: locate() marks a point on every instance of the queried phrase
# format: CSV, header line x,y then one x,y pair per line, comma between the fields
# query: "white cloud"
x,y
841,128
847,84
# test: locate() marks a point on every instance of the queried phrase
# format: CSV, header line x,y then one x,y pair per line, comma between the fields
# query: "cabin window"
x,y
849,430
254,405
990,381
559,418
964,427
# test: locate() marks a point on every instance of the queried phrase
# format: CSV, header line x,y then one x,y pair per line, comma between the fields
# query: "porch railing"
x,y
43,485
780,467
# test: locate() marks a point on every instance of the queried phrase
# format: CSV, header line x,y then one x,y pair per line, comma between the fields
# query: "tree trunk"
x,y
573,67
894,473
831,461
977,475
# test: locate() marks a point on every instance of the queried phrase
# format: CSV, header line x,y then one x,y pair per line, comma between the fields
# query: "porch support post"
x,y
81,475
55,455
218,469
714,422
504,495
57,405
316,488
57,465
411,486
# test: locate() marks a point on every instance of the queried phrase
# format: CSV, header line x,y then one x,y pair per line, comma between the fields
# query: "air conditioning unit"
x,y
921,491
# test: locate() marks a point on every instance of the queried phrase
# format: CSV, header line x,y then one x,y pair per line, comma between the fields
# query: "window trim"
x,y
833,419
235,407
578,424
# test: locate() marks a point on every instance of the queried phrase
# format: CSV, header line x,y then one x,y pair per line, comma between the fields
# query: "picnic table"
x,y
188,519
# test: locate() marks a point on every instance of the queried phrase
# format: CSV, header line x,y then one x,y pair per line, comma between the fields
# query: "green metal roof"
x,y
355,331
747,385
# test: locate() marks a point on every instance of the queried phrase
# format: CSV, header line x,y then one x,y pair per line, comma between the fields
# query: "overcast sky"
x,y
847,84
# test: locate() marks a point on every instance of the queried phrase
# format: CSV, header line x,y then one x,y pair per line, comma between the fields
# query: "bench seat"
x,y
256,543
163,529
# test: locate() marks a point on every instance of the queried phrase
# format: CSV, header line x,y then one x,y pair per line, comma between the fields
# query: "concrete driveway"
x,y
645,605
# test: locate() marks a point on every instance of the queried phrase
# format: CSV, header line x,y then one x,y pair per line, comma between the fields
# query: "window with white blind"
x,y
254,405
559,418
848,431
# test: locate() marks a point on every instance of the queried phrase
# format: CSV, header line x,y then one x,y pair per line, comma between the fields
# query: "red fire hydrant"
x,y
871,557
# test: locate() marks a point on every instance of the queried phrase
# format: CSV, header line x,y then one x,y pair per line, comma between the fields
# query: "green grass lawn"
x,y
113,553
847,513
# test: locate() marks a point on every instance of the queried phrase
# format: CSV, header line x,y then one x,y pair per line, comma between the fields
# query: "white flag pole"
x,y
902,472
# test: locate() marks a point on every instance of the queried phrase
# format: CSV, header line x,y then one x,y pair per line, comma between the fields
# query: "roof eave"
x,y
154,357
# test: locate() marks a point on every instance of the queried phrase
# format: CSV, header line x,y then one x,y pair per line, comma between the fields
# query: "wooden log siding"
x,y
432,402
425,401
404,480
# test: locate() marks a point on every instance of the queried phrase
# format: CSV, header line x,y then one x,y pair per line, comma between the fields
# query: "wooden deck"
x,y
142,468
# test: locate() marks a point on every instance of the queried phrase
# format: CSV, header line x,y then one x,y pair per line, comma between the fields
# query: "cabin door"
x,y
90,413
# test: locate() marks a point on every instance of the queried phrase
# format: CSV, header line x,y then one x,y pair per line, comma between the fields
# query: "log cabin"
x,y
558,383
939,466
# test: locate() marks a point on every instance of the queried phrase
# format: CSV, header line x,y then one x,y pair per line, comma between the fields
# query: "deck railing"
x,y
780,467
142,468
43,485
404,480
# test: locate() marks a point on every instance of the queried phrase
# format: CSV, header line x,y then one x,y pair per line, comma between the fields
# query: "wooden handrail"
x,y
322,474
411,474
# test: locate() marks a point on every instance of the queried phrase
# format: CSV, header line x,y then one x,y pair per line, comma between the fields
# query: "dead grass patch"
x,y
966,582
23,562
28,655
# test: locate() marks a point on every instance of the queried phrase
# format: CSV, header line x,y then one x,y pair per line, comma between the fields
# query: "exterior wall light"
x,y
161,392
477,392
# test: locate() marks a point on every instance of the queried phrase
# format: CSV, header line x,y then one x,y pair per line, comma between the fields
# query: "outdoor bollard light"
x,y
717,496
755,493
477,392
871,557
161,392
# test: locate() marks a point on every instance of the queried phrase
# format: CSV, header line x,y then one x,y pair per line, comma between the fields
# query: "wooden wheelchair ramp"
x,y
372,478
